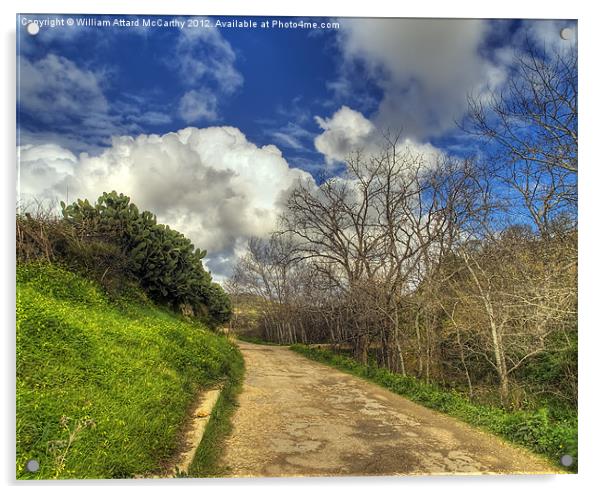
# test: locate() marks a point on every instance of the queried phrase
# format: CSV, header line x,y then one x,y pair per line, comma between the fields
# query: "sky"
x,y
210,127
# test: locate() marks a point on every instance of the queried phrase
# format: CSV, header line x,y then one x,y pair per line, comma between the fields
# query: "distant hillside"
x,y
246,314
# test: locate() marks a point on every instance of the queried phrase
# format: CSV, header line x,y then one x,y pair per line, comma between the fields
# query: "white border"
x,y
589,209
372,8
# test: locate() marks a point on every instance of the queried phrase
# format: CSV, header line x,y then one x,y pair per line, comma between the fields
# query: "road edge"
x,y
558,469
206,460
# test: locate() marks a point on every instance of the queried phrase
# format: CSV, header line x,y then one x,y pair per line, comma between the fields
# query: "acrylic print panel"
x,y
274,247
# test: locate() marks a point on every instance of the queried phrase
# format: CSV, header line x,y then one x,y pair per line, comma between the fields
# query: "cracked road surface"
x,y
297,417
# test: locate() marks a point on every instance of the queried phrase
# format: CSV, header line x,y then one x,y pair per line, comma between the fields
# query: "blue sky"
x,y
263,108
283,73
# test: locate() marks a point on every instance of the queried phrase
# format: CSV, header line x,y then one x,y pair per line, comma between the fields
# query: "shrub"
x,y
114,243
165,261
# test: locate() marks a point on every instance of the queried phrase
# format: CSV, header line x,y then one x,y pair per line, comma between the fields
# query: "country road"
x,y
298,417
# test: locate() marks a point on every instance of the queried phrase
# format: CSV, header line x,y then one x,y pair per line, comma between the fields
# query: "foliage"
x,y
167,264
536,430
103,386
219,304
115,244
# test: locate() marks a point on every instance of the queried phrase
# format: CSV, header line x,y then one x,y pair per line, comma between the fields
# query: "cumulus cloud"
x,y
424,68
212,184
346,131
46,164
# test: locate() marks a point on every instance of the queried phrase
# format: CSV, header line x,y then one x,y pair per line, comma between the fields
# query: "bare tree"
x,y
531,130
453,270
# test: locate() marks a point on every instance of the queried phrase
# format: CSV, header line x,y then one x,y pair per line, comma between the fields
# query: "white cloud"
x,y
206,64
203,54
287,140
424,67
70,101
46,164
346,131
198,105
54,88
291,135
211,184
152,118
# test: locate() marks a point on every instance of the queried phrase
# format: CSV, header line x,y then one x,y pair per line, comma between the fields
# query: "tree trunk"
x,y
397,337
463,360
496,339
418,342
362,349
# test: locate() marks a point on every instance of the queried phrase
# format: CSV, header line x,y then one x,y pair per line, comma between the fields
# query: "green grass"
x,y
103,385
535,430
206,462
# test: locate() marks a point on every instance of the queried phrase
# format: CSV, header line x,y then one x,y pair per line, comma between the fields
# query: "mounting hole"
x,y
566,33
32,466
566,460
33,28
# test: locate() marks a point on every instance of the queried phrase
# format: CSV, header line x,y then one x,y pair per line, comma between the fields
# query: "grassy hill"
x,y
104,383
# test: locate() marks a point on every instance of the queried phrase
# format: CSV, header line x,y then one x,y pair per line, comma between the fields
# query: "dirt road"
x,y
298,417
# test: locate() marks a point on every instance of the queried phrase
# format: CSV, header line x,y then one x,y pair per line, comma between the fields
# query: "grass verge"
x,y
206,462
533,429
104,385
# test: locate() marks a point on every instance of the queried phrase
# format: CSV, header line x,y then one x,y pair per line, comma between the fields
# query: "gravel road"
x,y
298,417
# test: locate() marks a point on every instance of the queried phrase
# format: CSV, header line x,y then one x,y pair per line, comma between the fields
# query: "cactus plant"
x,y
166,263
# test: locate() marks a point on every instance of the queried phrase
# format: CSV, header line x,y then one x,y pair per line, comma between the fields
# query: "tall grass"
x,y
103,385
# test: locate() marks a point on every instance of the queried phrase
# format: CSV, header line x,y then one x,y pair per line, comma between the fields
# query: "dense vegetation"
x,y
104,381
112,241
538,430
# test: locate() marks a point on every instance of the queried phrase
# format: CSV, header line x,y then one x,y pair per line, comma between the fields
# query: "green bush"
x,y
165,262
103,387
536,430
218,304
